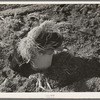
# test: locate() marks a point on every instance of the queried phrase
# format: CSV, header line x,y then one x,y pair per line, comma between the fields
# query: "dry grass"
x,y
76,70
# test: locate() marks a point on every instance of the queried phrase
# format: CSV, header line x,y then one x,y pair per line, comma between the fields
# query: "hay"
x,y
38,42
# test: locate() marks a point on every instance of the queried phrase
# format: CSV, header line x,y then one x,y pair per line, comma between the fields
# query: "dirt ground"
x,y
74,70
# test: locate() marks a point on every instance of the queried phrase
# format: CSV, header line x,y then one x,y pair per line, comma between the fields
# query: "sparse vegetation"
x,y
74,70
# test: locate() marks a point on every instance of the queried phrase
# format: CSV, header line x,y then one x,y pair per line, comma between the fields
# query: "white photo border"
x,y
51,95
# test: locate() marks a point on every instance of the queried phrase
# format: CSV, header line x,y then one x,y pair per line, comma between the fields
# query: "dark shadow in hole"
x,y
24,70
67,69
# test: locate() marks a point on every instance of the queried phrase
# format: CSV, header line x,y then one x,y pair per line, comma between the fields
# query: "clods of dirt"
x,y
75,69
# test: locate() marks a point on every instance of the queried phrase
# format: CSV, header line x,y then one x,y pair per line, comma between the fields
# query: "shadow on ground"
x,y
67,69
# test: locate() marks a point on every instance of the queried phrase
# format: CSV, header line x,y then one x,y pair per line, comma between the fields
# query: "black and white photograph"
x,y
49,48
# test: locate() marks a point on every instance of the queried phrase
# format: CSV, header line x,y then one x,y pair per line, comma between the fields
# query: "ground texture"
x,y
74,70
